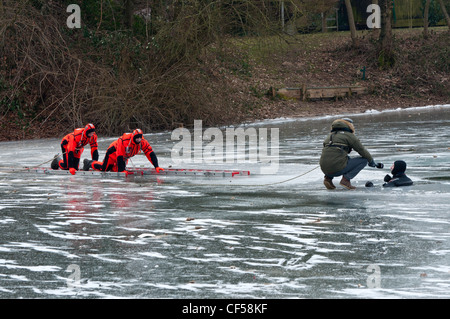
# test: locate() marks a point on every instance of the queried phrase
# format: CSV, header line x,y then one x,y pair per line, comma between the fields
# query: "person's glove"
x,y
387,178
377,165
72,170
159,169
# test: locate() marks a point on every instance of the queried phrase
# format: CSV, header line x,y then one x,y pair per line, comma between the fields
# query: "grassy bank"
x,y
70,78
420,75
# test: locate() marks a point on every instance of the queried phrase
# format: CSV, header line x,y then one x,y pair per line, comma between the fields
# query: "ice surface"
x,y
264,236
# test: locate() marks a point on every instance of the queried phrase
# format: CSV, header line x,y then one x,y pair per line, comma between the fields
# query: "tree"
x,y
447,18
322,6
309,8
351,23
386,57
128,8
425,19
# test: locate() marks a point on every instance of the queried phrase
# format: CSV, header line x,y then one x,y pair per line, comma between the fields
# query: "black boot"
x,y
55,163
87,164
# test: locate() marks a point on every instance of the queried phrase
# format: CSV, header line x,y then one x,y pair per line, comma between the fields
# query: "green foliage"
x,y
256,92
14,105
435,13
3,85
242,67
104,15
37,4
385,60
8,104
139,26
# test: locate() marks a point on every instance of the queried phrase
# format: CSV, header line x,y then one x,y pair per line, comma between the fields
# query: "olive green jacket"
x,y
338,144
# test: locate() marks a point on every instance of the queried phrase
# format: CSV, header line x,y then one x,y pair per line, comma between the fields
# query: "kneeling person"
x,y
72,146
118,153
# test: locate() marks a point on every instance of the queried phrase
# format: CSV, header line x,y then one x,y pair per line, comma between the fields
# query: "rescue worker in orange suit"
x,y
72,146
118,153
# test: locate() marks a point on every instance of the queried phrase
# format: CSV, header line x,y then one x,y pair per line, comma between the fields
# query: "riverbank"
x,y
419,78
237,82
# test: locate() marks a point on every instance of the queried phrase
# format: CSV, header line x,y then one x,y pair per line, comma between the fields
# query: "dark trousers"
x,y
64,163
354,166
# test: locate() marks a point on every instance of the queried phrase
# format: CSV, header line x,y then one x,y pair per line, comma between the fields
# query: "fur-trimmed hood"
x,y
342,125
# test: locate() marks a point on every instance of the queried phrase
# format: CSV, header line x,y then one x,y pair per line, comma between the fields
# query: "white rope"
x,y
260,185
26,167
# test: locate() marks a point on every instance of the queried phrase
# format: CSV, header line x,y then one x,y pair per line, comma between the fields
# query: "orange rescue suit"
x,y
121,150
72,146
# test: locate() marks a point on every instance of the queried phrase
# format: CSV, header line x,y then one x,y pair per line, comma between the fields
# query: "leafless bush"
x,y
58,78
44,81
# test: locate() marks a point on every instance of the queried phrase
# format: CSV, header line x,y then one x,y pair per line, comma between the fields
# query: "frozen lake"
x,y
264,236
